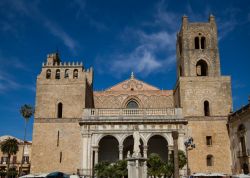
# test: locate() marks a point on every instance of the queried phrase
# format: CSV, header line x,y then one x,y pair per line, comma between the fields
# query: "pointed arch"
x,y
132,102
201,68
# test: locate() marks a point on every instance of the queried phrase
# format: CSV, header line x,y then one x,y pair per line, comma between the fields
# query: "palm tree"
x,y
26,111
9,147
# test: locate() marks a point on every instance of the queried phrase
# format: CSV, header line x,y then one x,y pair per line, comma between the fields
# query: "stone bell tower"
x,y
204,94
63,90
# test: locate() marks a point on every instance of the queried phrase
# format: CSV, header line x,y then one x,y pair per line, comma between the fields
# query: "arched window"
x,y
196,43
206,108
59,110
201,68
210,160
203,42
132,105
75,73
57,74
48,74
66,74
241,134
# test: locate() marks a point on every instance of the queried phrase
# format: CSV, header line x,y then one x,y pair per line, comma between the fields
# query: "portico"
x,y
108,133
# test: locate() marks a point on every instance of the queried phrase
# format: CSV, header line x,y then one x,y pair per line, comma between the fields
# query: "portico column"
x,y
145,151
176,157
170,151
95,149
120,152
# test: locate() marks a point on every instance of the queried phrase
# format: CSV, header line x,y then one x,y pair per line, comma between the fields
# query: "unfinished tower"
x,y
204,94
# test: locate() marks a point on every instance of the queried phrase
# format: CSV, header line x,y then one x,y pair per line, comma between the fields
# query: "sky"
x,y
115,38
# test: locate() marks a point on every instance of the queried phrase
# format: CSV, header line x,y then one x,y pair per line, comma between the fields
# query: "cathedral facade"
x,y
76,127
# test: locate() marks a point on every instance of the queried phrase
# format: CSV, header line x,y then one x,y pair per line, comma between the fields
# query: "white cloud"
x,y
144,58
61,34
159,40
153,51
7,83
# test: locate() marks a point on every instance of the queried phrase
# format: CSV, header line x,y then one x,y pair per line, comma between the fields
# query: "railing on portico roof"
x,y
133,112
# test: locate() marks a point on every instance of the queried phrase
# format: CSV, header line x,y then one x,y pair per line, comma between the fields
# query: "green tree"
x,y
167,169
12,173
2,172
121,168
100,169
111,170
158,168
155,165
26,111
9,147
182,159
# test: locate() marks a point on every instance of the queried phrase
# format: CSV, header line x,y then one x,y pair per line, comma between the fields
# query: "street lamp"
x,y
189,144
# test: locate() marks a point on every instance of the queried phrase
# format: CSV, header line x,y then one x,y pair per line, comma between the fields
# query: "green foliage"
x,y
182,159
26,111
158,168
100,169
111,170
12,172
155,165
10,147
2,172
121,168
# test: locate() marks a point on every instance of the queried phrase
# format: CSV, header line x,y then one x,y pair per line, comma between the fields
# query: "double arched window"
x,y
199,42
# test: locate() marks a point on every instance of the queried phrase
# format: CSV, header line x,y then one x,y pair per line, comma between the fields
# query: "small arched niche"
x,y
48,74
57,74
75,74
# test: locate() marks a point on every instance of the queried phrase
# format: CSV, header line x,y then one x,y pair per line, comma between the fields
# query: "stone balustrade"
x,y
176,112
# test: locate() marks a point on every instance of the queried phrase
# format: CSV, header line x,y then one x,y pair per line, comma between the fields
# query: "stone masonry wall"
x,y
47,147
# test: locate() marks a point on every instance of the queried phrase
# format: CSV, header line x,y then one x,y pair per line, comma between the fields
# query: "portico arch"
x,y
128,145
159,145
108,149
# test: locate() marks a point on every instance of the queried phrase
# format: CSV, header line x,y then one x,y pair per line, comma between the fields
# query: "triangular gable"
x,y
131,84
